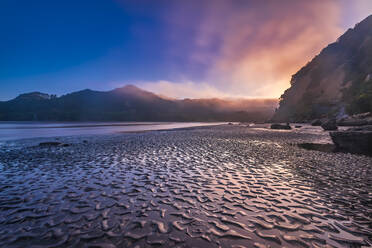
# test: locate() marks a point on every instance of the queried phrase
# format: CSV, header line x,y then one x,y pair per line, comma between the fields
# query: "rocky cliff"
x,y
336,82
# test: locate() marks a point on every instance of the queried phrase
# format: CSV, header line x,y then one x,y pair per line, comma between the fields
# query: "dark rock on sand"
x,y
53,143
329,125
354,140
298,126
50,143
316,122
280,126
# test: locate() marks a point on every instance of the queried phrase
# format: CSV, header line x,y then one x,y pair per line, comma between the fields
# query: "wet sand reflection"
x,y
224,186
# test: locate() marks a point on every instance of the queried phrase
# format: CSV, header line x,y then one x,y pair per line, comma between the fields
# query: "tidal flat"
x,y
216,186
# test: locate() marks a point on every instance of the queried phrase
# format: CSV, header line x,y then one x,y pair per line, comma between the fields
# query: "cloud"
x,y
185,89
248,48
253,47
355,11
263,44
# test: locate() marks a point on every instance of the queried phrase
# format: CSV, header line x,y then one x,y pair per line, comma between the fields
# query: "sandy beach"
x,y
217,186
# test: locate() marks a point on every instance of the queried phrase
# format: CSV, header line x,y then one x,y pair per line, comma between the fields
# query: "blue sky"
x,y
72,45
176,48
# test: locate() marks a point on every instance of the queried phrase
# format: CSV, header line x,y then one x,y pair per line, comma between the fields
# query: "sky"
x,y
180,49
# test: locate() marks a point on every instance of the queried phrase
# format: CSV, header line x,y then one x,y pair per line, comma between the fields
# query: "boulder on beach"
x,y
280,126
52,143
329,125
354,140
316,122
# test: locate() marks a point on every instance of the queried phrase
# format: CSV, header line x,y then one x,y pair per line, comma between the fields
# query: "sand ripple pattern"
x,y
206,187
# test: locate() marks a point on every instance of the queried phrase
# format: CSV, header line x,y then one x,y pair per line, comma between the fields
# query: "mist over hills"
x,y
336,82
131,103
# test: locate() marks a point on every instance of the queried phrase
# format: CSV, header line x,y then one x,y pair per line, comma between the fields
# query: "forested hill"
x,y
336,82
131,103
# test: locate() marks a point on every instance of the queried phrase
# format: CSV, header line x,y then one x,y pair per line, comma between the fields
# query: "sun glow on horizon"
x,y
178,49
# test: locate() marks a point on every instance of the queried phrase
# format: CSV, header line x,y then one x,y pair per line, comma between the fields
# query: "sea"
x,y
26,130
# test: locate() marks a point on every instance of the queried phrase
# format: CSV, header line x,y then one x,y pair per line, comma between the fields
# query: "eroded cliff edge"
x,y
337,82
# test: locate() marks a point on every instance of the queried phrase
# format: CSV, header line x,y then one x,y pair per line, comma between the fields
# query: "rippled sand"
x,y
225,186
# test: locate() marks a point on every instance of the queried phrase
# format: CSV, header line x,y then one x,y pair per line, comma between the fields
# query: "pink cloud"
x,y
260,44
251,47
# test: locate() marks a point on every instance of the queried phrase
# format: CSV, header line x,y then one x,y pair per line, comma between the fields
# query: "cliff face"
x,y
336,82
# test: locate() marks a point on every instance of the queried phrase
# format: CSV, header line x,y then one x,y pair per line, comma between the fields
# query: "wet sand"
x,y
222,186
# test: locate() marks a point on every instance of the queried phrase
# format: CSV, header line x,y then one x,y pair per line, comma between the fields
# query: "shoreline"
x,y
94,129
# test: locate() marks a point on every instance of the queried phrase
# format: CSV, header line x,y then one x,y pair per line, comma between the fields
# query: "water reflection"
x,y
24,130
201,188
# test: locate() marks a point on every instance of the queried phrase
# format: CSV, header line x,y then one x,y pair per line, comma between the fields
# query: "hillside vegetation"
x,y
336,82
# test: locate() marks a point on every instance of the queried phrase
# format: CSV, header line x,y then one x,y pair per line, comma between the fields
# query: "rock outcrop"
x,y
316,122
52,143
354,140
337,82
329,125
356,120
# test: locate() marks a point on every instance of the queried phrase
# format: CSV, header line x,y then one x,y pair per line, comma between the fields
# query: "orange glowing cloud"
x,y
262,47
251,48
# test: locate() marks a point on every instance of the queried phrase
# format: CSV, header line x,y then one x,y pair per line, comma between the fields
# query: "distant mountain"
x,y
336,82
33,96
131,103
